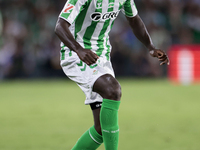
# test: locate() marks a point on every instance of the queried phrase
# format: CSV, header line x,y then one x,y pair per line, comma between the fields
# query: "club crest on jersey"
x,y
99,4
121,2
97,16
68,7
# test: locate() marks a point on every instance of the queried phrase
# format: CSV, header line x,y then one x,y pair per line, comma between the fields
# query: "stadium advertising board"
x,y
184,65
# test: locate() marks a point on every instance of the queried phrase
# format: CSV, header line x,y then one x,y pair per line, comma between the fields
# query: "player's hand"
x,y
87,56
161,55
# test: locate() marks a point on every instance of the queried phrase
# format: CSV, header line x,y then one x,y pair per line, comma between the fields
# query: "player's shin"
x,y
109,123
90,140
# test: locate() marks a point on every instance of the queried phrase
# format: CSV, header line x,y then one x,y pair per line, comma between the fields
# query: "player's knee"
x,y
108,87
114,93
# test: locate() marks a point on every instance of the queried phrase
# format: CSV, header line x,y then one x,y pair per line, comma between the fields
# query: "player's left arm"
x,y
140,31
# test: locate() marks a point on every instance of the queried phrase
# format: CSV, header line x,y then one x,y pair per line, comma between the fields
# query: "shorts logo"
x,y
95,72
98,105
96,16
68,8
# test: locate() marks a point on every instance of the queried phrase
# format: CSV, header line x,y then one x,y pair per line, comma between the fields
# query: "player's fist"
x,y
161,55
87,56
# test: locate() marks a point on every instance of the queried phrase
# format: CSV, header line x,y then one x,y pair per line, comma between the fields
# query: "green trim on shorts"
x,y
82,65
62,53
70,53
93,66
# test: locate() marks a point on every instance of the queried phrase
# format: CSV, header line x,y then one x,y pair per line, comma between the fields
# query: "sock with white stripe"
x,y
90,140
109,123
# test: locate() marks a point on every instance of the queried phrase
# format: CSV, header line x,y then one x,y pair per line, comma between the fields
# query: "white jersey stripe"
x,y
86,23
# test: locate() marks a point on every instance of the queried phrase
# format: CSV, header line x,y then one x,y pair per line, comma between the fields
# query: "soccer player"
x,y
83,27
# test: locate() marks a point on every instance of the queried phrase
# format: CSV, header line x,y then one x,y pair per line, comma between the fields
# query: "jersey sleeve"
x,y
129,8
72,9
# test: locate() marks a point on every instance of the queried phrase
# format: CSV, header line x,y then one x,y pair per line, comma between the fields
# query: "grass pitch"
x,y
50,115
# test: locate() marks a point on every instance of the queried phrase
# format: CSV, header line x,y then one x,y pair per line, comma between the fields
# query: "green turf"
x,y
50,115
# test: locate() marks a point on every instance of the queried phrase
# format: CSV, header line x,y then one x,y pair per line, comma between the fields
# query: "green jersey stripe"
x,y
102,34
68,8
130,9
88,35
108,46
90,31
73,2
80,19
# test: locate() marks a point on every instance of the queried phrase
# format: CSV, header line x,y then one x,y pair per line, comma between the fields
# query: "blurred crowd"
x,y
29,48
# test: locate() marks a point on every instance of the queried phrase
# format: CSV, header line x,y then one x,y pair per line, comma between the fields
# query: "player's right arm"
x,y
64,34
67,16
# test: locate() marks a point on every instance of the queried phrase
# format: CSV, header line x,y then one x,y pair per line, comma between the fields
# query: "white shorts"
x,y
85,76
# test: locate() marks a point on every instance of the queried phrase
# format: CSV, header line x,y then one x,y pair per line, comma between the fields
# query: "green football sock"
x,y
90,140
109,123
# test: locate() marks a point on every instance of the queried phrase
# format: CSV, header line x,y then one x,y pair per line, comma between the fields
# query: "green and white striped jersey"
x,y
92,20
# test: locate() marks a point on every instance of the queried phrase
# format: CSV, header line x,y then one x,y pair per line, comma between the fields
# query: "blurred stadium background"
x,y
38,113
29,48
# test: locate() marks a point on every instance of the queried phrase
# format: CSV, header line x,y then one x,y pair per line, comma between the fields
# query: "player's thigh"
x,y
85,76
